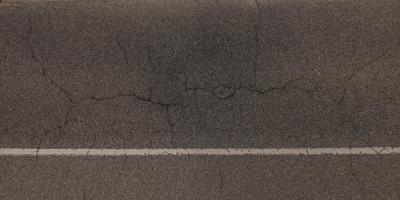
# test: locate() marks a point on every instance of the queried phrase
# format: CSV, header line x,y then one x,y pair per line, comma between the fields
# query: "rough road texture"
x,y
210,74
200,178
199,74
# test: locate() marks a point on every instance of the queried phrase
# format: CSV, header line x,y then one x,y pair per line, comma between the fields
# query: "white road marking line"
x,y
199,151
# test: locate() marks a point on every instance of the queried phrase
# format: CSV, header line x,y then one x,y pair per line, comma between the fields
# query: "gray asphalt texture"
x,y
200,74
230,178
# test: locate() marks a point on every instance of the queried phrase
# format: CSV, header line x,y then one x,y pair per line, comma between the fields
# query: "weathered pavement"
x,y
200,74
233,178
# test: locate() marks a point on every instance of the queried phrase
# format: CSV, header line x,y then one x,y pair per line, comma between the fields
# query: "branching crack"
x,y
164,106
45,74
233,90
43,69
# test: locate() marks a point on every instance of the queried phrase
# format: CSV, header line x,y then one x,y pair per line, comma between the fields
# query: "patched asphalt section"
x,y
151,74
233,178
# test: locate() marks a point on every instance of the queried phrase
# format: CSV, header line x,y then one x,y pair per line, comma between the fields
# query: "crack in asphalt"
x,y
28,39
44,74
384,54
73,103
148,99
233,90
164,106
43,69
221,92
211,90
167,105
345,84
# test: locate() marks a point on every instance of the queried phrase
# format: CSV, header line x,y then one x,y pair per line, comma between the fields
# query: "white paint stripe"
x,y
197,151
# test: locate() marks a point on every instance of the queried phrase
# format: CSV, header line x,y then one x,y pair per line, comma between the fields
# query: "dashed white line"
x,y
202,151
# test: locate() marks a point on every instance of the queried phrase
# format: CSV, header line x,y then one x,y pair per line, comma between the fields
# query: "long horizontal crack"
x,y
137,97
287,85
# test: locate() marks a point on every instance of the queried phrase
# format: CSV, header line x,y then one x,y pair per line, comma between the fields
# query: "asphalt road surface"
x,y
131,74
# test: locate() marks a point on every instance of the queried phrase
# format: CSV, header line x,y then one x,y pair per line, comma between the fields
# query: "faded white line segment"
x,y
199,151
